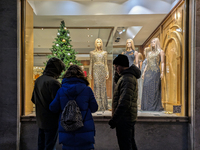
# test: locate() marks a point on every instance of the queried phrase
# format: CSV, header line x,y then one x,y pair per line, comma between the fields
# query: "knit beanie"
x,y
121,60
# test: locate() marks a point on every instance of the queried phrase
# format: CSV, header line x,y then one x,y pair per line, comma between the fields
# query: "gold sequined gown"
x,y
151,94
98,64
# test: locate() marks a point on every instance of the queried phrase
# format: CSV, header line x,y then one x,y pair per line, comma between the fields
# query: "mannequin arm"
x,y
162,55
144,71
90,68
136,59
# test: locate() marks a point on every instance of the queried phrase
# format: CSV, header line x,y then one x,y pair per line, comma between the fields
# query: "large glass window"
x,y
113,22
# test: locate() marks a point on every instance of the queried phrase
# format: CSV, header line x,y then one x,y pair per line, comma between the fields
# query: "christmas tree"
x,y
62,48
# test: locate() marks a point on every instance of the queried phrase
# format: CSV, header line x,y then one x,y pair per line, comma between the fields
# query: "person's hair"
x,y
132,44
157,45
101,43
75,71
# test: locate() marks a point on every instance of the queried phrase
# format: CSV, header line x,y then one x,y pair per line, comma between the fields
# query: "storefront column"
x,y
9,48
195,47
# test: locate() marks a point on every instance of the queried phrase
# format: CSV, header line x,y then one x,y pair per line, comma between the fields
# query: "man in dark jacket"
x,y
124,106
46,87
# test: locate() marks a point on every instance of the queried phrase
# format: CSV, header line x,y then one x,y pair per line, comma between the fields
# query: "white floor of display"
x,y
140,113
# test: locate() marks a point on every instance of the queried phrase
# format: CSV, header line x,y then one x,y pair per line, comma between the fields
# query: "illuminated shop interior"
x,y
114,22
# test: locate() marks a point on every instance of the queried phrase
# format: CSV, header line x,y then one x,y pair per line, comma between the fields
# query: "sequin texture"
x,y
98,64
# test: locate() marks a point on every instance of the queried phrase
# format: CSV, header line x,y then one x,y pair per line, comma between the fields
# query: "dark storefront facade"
x,y
181,132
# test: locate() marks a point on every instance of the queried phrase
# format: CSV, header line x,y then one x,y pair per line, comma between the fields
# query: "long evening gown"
x,y
151,94
98,64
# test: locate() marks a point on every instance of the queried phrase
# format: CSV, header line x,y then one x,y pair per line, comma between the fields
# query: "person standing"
x,y
124,106
75,87
46,87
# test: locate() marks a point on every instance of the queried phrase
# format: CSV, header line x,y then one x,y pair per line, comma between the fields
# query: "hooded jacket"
x,y
125,95
76,88
46,87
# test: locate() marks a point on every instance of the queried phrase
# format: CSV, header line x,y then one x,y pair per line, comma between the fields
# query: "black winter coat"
x,y
125,95
46,87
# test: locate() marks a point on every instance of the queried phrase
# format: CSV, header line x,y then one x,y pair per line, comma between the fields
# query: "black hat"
x,y
121,60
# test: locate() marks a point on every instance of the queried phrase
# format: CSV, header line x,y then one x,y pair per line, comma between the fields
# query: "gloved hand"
x,y
112,124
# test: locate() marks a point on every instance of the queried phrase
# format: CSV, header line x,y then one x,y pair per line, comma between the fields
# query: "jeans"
x,y
47,139
125,135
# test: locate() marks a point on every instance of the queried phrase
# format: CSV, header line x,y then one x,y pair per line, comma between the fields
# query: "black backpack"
x,y
71,117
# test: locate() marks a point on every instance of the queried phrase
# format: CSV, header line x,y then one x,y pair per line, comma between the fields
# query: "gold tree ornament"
x,y
63,40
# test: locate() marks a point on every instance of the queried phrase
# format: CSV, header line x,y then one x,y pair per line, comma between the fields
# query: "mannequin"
x,y
151,94
98,65
140,59
131,53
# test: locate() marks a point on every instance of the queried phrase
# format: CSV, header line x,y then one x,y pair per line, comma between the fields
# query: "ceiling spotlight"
x,y
91,35
88,41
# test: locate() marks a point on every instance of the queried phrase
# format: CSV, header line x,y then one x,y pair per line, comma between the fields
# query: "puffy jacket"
x,y
46,87
83,138
125,95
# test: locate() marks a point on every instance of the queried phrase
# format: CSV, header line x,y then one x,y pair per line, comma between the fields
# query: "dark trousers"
x,y
125,135
47,139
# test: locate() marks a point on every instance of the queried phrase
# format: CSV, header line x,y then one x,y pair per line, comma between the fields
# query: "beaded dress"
x,y
151,94
98,64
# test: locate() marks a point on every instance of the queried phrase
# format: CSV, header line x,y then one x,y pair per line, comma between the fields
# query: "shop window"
x,y
114,30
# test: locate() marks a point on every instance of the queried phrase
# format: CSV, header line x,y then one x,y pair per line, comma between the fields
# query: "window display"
x,y
97,42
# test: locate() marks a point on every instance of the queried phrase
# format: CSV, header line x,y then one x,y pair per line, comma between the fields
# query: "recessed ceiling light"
x,y
88,35
91,35
88,41
42,29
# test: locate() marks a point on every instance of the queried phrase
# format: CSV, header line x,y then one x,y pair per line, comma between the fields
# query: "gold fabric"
x,y
98,64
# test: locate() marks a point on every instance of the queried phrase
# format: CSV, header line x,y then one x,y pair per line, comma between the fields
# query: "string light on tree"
x,y
65,28
69,54
71,63
68,34
58,34
57,44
